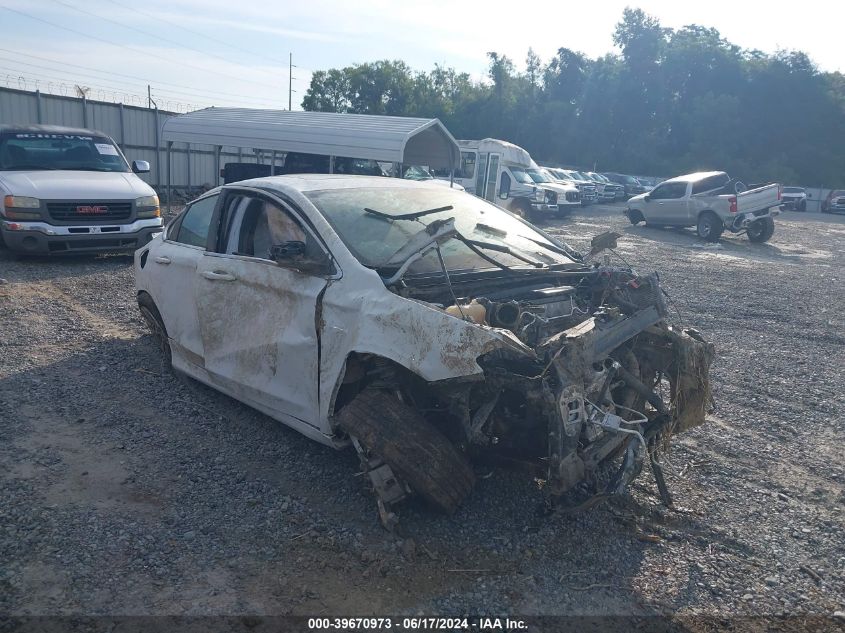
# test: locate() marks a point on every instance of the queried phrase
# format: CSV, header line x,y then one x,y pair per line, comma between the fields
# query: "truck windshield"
x,y
793,190
373,239
27,151
521,176
538,176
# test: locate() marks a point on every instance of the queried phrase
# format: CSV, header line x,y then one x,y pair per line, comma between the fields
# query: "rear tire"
x,y
416,451
710,227
761,230
153,319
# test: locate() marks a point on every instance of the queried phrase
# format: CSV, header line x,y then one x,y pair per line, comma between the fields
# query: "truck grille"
x,y
573,196
90,212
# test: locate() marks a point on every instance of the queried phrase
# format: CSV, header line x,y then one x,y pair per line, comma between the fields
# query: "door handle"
x,y
162,260
218,276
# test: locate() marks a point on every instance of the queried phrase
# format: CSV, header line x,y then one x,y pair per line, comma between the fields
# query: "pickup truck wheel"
x,y
803,206
710,227
153,319
761,230
417,452
635,217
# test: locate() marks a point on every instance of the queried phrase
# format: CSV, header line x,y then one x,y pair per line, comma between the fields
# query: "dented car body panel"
x,y
311,292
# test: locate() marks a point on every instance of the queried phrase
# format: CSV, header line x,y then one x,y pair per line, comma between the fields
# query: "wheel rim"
x,y
704,227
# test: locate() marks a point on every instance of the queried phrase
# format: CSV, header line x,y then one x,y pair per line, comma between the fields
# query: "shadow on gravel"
x,y
210,495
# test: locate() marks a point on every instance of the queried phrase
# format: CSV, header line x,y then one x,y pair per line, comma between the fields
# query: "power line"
x,y
103,72
133,85
208,37
147,33
134,50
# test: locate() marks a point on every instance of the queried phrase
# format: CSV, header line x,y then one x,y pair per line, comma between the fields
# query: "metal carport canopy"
x,y
412,141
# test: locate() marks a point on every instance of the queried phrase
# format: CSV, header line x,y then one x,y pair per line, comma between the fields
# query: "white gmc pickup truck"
x,y
711,202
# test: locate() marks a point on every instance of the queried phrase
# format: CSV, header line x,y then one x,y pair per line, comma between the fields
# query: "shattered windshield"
x,y
27,151
374,239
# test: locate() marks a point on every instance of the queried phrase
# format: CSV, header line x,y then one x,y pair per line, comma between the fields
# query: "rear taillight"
x,y
780,192
732,200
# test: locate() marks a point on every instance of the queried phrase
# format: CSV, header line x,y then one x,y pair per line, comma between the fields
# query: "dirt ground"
x,y
127,490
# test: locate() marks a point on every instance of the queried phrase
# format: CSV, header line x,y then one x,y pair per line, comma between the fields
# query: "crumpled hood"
x,y
69,184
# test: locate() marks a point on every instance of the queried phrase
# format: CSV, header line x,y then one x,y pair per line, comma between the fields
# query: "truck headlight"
x,y
538,194
21,202
148,207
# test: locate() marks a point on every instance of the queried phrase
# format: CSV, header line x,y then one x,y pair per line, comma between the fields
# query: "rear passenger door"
x,y
258,318
172,285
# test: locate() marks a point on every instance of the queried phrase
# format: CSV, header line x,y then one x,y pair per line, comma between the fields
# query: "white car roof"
x,y
699,175
315,182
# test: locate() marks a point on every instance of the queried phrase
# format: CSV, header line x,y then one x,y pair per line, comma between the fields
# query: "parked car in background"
x,y
420,173
610,191
795,198
835,202
630,184
258,287
71,190
645,184
588,190
700,200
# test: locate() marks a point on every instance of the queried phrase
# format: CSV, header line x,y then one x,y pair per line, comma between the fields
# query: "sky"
x,y
196,53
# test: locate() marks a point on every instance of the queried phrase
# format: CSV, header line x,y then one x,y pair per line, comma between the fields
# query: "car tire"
x,y
153,319
803,207
761,230
710,226
635,216
414,449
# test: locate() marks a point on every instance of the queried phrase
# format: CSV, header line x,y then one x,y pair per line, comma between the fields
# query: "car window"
x,y
193,225
669,191
255,225
710,183
467,169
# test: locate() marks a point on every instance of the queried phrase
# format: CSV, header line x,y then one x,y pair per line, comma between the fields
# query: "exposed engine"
x,y
609,383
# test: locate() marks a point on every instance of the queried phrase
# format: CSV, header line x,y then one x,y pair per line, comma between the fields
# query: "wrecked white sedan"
x,y
426,328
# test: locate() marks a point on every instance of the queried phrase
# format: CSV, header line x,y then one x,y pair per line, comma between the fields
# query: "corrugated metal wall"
x,y
136,130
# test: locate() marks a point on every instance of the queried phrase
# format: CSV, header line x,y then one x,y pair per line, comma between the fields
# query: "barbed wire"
x,y
19,81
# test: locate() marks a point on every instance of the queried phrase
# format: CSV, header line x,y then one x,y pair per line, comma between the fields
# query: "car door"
x,y
172,284
258,318
667,204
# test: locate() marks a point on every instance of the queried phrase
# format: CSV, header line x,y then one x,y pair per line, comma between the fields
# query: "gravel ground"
x,y
127,490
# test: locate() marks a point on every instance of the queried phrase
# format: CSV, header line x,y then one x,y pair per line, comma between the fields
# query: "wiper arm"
x,y
568,252
502,248
408,216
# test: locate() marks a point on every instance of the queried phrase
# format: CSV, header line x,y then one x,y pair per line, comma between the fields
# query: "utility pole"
x,y
290,81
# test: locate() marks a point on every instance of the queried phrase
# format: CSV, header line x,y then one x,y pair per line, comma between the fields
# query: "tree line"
x,y
673,101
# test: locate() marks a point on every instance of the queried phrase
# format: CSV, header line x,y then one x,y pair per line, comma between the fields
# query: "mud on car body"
x,y
427,328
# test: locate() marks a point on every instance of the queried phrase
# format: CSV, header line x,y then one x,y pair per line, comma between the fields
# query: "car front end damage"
x,y
588,385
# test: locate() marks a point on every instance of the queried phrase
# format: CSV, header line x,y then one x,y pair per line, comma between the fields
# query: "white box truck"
x,y
505,174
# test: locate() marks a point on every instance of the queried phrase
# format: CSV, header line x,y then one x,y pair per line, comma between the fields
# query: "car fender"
x,y
414,334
